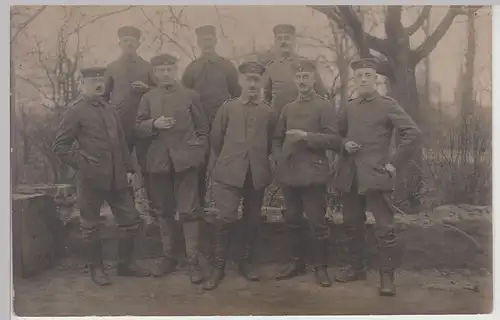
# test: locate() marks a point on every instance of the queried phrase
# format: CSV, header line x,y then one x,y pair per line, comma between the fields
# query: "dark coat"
x,y
215,79
184,145
297,163
241,136
370,122
100,154
119,76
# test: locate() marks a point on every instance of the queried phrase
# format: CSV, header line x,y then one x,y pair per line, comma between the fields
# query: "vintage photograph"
x,y
251,160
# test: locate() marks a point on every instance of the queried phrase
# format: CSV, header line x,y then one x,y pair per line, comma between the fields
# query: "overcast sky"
x,y
244,27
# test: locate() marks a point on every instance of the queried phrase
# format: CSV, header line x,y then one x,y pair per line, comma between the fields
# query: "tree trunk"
x,y
403,88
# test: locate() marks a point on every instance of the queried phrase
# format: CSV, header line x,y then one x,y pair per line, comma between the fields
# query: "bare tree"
x,y
400,65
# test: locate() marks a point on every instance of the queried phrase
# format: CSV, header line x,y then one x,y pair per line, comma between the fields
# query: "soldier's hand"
x,y
139,85
297,133
164,123
130,178
391,169
352,146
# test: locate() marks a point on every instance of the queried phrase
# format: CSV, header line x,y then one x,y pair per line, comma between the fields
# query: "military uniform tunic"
x,y
91,140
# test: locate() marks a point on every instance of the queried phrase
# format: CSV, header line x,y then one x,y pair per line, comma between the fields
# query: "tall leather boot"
x,y
319,248
296,266
167,263
245,265
388,258
93,256
180,249
222,242
127,266
356,270
193,250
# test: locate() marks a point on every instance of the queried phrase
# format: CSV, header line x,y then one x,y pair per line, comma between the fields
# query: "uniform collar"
x,y
307,96
171,87
95,101
291,57
210,57
247,101
130,58
369,97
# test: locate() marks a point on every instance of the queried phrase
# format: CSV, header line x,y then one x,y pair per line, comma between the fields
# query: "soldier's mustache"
x,y
99,88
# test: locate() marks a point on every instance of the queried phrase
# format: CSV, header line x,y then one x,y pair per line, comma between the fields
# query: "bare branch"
x,y
35,86
424,15
27,23
431,42
99,17
170,39
219,18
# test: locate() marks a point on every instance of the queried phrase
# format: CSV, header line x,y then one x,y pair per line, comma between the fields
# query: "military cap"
x,y
251,67
305,65
164,59
284,28
93,72
206,30
364,63
129,31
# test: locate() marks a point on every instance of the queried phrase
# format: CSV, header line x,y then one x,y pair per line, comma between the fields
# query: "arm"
x,y
234,87
188,78
279,134
409,133
200,120
218,131
271,129
329,137
66,136
144,125
109,85
268,87
127,161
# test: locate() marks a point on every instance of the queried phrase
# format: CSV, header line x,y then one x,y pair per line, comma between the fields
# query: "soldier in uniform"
x,y
241,139
91,140
279,87
302,172
171,115
366,170
215,79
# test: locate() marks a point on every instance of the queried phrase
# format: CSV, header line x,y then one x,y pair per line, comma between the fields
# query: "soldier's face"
x,y
129,44
166,74
94,86
207,42
251,83
284,42
304,81
365,80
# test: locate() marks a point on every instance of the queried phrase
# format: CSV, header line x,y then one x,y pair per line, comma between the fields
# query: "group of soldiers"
x,y
243,127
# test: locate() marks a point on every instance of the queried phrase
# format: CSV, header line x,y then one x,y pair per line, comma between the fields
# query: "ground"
x,y
67,291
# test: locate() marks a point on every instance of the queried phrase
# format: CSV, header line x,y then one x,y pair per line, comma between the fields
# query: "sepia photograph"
x,y
238,160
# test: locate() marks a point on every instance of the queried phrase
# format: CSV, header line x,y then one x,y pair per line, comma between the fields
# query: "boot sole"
x,y
387,293
296,274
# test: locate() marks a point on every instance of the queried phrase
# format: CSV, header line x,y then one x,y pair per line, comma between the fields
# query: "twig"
x,y
27,23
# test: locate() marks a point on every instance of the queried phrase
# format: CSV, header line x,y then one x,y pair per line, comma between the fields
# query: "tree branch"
x,y
172,40
99,17
431,42
27,23
424,15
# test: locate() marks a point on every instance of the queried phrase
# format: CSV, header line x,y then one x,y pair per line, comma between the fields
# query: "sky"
x,y
248,27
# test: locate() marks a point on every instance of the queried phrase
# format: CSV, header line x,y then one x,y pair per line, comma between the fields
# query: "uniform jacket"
x,y
185,144
297,163
215,79
279,88
119,76
370,122
241,136
90,139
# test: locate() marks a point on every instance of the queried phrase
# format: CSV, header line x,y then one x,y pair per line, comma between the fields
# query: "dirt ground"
x,y
67,291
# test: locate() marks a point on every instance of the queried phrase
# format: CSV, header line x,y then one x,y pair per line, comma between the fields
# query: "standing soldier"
x,y
241,140
90,139
366,170
172,116
279,87
302,172
215,79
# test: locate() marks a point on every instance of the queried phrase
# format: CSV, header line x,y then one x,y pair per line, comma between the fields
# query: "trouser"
x,y
354,216
90,201
310,200
174,199
227,200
